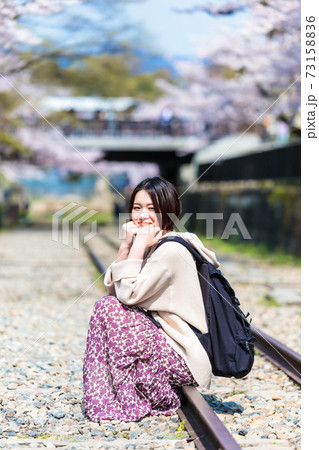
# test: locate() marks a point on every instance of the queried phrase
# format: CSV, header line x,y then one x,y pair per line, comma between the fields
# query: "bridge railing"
x,y
132,128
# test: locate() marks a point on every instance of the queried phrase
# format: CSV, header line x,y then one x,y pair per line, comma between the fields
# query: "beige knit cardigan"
x,y
166,281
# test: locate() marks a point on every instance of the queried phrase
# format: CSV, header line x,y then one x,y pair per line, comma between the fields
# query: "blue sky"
x,y
169,32
172,32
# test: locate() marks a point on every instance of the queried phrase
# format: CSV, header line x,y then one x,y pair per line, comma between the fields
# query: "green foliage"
x,y
181,426
267,300
244,248
45,218
126,435
104,75
8,103
11,148
4,182
234,392
65,117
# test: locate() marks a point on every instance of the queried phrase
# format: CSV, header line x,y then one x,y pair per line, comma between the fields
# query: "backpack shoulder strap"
x,y
182,241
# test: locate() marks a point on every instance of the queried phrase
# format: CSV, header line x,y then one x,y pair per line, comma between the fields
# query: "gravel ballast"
x,y
47,291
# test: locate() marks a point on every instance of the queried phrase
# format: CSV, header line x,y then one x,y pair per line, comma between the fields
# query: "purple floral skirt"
x,y
129,369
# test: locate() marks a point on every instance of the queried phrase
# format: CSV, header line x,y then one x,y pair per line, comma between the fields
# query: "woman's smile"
x,y
144,223
143,212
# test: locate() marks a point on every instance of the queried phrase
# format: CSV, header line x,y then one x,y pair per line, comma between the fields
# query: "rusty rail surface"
x,y
202,423
279,354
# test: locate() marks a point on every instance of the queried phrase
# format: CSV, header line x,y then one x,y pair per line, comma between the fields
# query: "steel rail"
x,y
204,427
98,264
109,241
279,354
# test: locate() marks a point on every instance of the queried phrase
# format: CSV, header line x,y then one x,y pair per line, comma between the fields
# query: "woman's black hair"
x,y
165,200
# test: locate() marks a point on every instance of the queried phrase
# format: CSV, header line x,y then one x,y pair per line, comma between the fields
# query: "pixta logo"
x,y
66,225
234,226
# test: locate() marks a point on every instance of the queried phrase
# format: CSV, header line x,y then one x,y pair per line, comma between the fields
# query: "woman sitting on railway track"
x,y
133,367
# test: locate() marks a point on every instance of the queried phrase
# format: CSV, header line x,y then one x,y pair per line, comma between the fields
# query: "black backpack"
x,y
229,342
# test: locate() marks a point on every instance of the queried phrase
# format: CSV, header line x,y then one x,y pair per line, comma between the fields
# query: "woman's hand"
x,y
129,230
145,237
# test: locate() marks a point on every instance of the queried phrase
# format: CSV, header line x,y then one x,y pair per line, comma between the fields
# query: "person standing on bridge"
x,y
133,367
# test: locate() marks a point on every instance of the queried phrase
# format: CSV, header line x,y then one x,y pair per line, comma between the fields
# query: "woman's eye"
x,y
136,208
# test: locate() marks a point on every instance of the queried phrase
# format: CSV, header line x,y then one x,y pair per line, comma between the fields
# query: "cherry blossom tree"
x,y
24,145
15,86
242,71
13,33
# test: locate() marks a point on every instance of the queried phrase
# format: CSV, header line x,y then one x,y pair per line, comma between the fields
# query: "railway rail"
x,y
206,429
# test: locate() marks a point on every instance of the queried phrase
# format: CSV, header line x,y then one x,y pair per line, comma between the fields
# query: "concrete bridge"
x,y
169,152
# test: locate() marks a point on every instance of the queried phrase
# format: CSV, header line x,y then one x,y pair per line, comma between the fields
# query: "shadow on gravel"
x,y
223,407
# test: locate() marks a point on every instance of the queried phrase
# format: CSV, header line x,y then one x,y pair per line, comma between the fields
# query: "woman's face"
x,y
143,212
